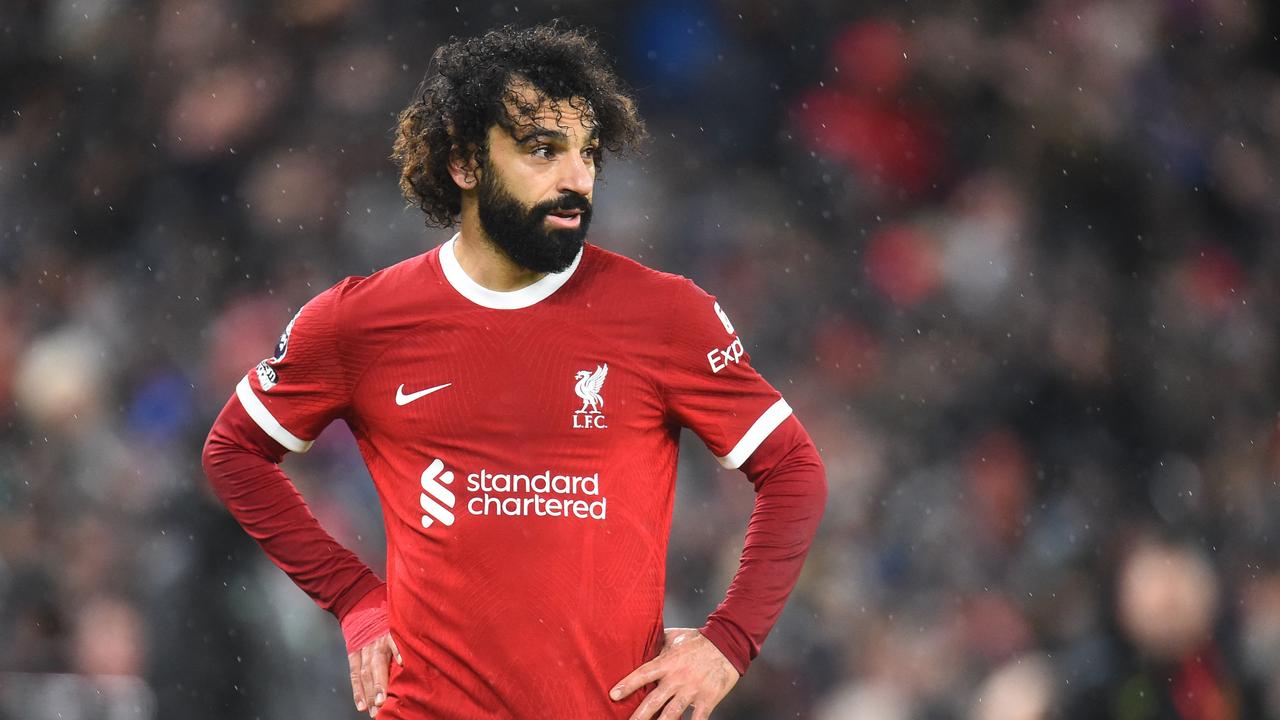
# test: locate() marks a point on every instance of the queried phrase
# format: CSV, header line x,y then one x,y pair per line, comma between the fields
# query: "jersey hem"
x,y
265,420
760,429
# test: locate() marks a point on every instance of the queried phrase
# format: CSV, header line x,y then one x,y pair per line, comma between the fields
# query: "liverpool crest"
x,y
589,386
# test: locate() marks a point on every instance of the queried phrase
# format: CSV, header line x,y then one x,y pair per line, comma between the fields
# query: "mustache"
x,y
567,201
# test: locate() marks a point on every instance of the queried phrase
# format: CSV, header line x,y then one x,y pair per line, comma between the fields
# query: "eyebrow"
x,y
545,134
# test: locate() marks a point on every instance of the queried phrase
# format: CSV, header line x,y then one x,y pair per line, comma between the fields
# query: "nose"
x,y
577,175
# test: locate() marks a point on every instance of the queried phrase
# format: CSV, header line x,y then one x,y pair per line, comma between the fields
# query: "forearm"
x,y
241,464
791,493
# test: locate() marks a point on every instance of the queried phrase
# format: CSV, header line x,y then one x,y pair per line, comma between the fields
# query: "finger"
x,y
395,650
357,688
652,703
366,677
701,712
641,676
381,665
675,708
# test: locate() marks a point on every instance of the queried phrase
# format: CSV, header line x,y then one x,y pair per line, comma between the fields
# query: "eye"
x,y
543,151
591,154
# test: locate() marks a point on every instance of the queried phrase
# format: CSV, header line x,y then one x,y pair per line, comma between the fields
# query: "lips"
x,y
565,219
570,211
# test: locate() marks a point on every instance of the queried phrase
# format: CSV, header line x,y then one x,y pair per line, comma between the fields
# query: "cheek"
x,y
521,193
532,185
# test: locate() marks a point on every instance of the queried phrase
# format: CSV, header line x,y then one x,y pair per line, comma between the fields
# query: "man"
x,y
517,396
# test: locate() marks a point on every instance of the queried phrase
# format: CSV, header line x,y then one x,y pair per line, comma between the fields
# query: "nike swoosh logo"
x,y
402,399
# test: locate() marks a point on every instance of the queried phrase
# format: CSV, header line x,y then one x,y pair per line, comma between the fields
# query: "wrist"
x,y
366,620
733,648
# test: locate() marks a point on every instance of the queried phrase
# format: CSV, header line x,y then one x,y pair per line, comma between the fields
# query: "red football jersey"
x,y
523,445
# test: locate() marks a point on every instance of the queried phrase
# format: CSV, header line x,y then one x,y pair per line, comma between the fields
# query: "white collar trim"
x,y
495,299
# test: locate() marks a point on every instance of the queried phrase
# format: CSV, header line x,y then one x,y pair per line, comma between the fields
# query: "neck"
x,y
483,261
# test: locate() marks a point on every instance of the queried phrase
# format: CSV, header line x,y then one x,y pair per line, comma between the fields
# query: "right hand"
x,y
371,671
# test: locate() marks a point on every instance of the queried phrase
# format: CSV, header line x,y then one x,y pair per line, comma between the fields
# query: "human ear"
x,y
463,168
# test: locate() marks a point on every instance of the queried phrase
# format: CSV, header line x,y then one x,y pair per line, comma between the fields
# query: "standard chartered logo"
x,y
436,499
539,494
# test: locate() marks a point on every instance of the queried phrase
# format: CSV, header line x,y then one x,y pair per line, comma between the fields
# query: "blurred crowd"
x,y
1011,262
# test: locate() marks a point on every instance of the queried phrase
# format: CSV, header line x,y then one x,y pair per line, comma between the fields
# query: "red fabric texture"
x,y
791,492
240,461
367,620
786,470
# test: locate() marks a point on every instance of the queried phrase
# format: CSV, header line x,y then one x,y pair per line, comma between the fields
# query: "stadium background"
x,y
1013,263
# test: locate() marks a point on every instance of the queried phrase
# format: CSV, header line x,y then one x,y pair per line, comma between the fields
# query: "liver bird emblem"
x,y
588,388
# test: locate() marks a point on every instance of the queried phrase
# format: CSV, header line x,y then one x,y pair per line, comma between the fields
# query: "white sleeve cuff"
x,y
760,429
267,422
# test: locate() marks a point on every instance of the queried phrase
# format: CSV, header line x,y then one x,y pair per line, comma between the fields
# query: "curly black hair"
x,y
472,83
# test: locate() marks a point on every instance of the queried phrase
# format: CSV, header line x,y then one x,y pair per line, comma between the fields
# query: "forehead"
x,y
530,109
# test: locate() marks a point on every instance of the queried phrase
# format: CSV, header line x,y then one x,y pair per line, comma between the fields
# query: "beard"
x,y
521,232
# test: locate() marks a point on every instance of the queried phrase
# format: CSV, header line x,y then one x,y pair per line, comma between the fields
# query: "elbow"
x,y
214,445
821,487
220,444
218,449
233,438
800,474
818,485
226,448
808,476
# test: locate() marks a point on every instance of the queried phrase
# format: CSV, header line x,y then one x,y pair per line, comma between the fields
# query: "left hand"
x,y
690,672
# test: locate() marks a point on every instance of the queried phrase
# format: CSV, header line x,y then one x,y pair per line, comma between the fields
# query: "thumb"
x,y
395,650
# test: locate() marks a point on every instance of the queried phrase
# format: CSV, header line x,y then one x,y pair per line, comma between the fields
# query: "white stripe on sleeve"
x,y
266,421
760,429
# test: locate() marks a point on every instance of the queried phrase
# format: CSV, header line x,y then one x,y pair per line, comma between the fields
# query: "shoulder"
x,y
399,293
379,286
630,276
360,315
656,304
